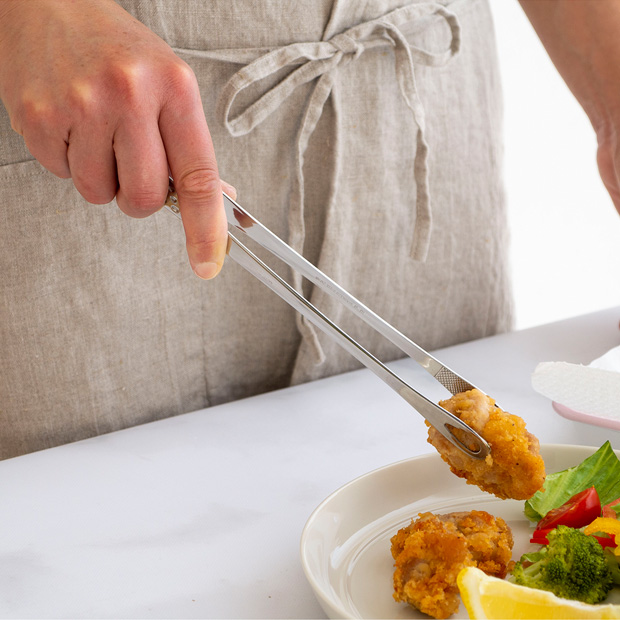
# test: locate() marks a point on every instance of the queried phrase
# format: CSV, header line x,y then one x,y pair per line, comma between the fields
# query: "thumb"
x,y
204,220
192,162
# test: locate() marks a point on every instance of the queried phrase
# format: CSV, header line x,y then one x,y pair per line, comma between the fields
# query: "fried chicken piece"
x,y
513,469
427,566
430,552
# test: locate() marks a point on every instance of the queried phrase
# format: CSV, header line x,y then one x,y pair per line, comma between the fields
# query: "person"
x,y
367,135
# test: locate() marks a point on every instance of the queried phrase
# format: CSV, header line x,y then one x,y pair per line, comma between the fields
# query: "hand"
x,y
581,37
101,99
608,159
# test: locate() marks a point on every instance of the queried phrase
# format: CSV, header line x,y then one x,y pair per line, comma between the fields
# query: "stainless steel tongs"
x,y
444,421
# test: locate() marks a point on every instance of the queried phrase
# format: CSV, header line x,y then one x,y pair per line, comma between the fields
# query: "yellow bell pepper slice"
x,y
606,525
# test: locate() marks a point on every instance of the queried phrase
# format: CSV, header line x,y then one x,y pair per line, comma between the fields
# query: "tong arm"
x,y
444,421
240,219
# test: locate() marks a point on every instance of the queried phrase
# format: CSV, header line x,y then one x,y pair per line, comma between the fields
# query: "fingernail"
x,y
206,271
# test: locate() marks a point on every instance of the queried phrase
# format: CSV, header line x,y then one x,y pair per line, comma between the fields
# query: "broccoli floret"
x,y
613,561
571,566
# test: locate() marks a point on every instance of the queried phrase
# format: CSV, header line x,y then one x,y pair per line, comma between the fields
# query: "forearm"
x,y
6,6
9,24
582,38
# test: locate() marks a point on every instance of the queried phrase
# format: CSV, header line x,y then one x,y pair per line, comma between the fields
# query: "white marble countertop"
x,y
200,516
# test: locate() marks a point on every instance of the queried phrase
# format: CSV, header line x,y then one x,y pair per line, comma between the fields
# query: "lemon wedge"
x,y
493,598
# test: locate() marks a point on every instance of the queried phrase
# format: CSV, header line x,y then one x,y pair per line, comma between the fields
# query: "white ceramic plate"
x,y
345,545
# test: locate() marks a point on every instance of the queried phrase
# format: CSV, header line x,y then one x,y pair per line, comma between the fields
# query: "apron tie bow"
x,y
347,45
319,62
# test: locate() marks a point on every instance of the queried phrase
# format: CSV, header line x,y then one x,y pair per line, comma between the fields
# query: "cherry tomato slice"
x,y
608,511
539,537
578,511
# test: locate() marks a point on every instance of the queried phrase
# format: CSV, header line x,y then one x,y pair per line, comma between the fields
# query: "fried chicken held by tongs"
x,y
513,469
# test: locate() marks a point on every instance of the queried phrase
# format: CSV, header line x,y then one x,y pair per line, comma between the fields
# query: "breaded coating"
x,y
430,552
427,566
514,468
489,539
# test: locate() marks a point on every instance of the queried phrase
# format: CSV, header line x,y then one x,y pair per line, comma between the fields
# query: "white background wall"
x,y
565,231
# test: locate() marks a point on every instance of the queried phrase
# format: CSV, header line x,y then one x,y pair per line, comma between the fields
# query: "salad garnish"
x,y
601,471
578,525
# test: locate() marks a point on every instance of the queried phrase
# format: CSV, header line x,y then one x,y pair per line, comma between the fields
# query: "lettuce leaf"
x,y
601,470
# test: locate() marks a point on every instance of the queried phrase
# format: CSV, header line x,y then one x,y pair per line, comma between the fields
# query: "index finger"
x,y
192,162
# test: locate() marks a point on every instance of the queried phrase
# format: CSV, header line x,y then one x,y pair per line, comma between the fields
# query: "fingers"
x,y
38,124
142,169
51,154
92,164
192,162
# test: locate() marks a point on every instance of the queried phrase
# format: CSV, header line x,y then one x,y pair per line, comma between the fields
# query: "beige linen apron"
x,y
365,133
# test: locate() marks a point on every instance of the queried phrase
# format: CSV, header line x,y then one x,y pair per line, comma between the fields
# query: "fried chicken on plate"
x,y
430,552
513,469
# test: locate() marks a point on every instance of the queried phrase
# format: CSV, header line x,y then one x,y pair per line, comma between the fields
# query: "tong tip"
x,y
482,448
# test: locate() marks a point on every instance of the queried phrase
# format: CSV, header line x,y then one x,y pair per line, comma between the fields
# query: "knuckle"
x,y
93,191
203,245
42,120
180,79
96,197
33,115
81,100
200,184
124,83
143,202
128,81
207,244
